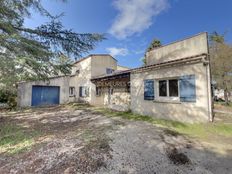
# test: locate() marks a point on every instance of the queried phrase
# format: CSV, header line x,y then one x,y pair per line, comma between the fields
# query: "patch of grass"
x,y
223,104
15,139
88,135
201,130
79,106
222,129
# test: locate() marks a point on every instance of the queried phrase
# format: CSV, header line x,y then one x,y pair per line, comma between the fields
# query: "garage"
x,y
45,95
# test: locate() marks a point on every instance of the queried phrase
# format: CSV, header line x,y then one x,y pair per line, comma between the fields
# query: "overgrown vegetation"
x,y
15,139
156,43
37,53
201,130
9,97
221,63
224,104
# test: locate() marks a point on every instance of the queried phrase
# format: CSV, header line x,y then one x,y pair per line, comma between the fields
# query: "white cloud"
x,y
139,51
135,16
113,51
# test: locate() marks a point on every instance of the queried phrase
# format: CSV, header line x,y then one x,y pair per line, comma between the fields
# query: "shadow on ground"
x,y
72,139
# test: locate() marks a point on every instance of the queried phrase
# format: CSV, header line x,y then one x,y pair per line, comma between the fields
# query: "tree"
x,y
215,37
29,54
154,44
221,63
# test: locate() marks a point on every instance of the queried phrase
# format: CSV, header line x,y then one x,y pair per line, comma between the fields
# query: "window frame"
x,y
168,97
86,91
72,92
98,91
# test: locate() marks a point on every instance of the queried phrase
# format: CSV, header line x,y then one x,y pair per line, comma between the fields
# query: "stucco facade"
x,y
113,90
191,46
175,84
25,90
199,111
122,68
82,72
173,62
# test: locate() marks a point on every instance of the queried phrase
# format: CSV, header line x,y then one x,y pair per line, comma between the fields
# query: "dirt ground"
x,y
84,141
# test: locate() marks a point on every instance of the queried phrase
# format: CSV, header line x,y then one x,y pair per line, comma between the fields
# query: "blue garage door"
x,y
45,95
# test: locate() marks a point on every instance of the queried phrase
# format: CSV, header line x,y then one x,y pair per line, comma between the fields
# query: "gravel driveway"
x,y
85,141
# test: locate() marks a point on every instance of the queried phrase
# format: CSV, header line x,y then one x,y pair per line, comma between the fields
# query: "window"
x,y
128,88
83,91
173,88
109,71
110,91
71,91
98,91
163,88
149,90
77,72
169,88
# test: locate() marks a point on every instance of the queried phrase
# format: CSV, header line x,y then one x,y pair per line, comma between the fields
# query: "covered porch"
x,y
113,91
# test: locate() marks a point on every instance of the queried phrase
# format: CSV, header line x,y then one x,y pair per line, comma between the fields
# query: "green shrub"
x,y
3,96
9,97
12,103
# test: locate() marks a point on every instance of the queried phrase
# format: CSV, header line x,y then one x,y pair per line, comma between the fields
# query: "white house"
x,y
175,83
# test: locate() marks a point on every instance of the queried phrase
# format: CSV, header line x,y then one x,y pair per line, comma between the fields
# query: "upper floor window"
x,y
109,71
77,72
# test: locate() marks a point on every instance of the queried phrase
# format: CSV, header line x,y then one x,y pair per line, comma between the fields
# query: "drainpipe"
x,y
210,101
209,82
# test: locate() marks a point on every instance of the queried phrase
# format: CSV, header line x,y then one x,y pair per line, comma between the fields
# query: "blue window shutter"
x,y
149,92
188,88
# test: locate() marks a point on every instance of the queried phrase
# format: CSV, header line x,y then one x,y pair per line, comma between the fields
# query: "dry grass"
x,y
15,139
200,130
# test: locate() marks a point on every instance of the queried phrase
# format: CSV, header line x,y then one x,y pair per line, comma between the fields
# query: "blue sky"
x,y
130,25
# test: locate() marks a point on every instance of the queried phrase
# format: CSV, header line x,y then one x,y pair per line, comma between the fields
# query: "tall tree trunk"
x,y
226,96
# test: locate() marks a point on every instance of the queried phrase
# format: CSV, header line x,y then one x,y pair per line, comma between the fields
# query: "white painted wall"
x,y
122,68
188,47
25,90
91,66
99,65
182,111
81,79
